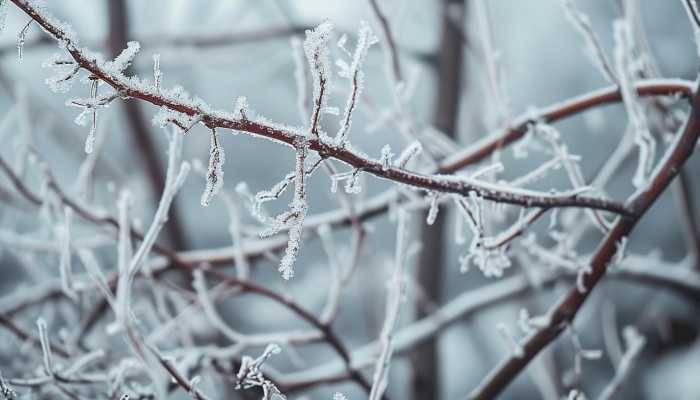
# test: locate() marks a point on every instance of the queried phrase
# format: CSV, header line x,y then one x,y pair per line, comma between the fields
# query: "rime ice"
x,y
215,171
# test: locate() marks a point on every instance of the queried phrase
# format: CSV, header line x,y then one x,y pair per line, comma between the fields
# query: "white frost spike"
x,y
90,139
297,213
365,39
581,276
409,152
241,108
20,39
351,185
124,59
395,292
386,157
316,50
341,44
339,396
433,211
249,374
45,346
157,74
215,172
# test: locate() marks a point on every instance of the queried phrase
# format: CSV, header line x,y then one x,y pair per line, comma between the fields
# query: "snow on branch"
x,y
215,171
353,72
294,218
393,306
625,63
249,374
177,102
316,50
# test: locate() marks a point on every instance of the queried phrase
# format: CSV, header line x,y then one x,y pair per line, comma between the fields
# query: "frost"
x,y
215,171
294,218
627,68
354,73
407,154
595,51
316,50
433,210
581,278
20,39
339,396
691,8
386,157
6,391
396,287
157,74
90,140
350,178
45,346
330,110
241,108
492,261
619,254
576,394
124,59
249,374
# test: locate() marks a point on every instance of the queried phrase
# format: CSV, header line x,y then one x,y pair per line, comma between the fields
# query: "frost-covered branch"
x,y
565,310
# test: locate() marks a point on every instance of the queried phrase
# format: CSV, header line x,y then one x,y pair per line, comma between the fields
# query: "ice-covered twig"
x,y
565,310
45,347
353,72
215,172
295,218
634,342
595,51
625,65
316,50
393,306
132,88
249,375
691,7
20,40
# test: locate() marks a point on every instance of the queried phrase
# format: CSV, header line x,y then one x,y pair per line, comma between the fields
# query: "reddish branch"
x,y
565,310
214,119
611,94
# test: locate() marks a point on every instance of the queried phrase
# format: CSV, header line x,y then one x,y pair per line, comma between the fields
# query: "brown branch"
x,y
218,119
565,310
611,94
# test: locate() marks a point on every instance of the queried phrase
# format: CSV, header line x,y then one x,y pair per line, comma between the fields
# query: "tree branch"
x,y
565,310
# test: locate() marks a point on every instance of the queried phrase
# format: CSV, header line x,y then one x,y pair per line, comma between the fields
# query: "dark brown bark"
x,y
431,260
118,15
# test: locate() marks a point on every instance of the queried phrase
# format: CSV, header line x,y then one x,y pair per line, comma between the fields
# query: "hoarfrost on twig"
x,y
215,171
